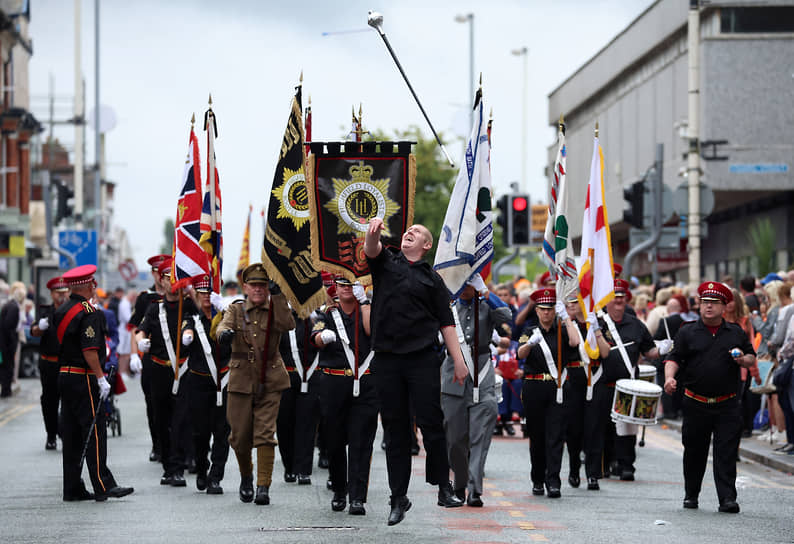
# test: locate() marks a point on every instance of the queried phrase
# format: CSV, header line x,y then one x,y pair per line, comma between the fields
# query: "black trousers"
x,y
171,419
595,429
208,422
350,421
296,425
575,417
79,401
6,372
146,386
546,429
723,421
50,396
671,404
405,380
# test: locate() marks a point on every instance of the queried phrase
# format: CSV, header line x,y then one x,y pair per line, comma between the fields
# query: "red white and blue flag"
x,y
190,260
211,226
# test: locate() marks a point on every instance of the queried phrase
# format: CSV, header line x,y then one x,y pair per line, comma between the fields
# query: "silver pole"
x,y
693,158
470,17
79,125
97,154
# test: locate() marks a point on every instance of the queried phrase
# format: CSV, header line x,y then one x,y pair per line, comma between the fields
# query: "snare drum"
x,y
647,373
635,401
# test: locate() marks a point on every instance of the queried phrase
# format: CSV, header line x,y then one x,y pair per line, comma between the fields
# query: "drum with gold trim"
x,y
636,402
647,373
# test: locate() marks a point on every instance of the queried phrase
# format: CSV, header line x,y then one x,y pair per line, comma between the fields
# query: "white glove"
x,y
135,363
217,301
187,338
536,337
104,388
593,320
327,336
477,282
360,293
559,309
44,323
144,345
664,346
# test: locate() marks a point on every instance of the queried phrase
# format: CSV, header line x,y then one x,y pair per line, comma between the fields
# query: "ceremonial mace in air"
x,y
375,20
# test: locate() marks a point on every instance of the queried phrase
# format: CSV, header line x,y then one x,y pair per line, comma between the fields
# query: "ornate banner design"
x,y
351,183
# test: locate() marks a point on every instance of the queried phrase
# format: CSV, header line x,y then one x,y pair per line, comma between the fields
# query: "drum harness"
x,y
621,347
205,346
467,357
169,346
304,373
544,347
352,358
586,361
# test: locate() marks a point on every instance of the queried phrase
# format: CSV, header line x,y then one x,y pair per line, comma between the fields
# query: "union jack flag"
x,y
211,226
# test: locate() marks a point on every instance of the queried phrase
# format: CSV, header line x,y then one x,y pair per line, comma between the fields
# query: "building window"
x,y
757,19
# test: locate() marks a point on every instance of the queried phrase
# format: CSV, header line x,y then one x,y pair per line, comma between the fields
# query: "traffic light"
x,y
635,196
503,218
520,220
65,202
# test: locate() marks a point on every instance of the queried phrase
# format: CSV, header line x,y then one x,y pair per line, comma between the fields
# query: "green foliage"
x,y
762,236
168,237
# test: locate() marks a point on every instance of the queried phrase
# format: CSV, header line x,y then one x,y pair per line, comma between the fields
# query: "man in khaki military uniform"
x,y
253,327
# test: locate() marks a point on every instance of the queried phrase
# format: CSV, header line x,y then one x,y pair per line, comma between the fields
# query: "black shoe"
x,y
329,485
690,502
474,500
323,461
262,495
339,502
356,508
201,481
83,495
729,507
592,484
214,487
51,444
509,429
304,479
247,488
154,457
165,479
177,480
191,466
747,433
415,450
497,431
447,498
627,476
553,493
461,494
538,489
289,477
399,506
114,492
574,480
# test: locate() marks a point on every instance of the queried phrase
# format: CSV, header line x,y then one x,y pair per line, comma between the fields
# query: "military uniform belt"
x,y
541,377
50,358
575,364
342,372
75,370
166,362
291,369
611,384
707,400
207,374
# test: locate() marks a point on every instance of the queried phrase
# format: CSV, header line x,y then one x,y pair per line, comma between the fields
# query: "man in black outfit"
x,y
409,306
709,352
81,331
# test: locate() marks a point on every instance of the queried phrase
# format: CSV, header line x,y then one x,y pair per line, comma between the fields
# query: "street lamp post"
x,y
469,18
523,53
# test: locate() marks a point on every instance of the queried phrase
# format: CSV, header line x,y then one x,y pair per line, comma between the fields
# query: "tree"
x,y
762,237
168,233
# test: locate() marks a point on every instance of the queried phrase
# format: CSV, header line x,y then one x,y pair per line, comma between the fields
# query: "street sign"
x,y
667,205
681,200
540,213
80,244
670,238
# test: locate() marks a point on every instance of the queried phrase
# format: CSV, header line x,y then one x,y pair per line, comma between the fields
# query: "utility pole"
x,y
98,156
693,158
78,119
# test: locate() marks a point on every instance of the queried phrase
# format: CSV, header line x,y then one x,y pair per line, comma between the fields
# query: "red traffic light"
x,y
519,203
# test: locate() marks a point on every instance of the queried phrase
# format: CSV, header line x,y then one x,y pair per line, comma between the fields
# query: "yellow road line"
x,y
527,526
15,413
538,538
497,494
505,503
516,513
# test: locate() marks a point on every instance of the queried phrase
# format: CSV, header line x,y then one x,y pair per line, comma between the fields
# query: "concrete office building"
x,y
636,87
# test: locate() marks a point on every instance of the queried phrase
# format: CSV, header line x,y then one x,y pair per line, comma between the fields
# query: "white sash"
x,y
621,347
296,359
169,347
551,365
205,345
467,356
586,361
351,359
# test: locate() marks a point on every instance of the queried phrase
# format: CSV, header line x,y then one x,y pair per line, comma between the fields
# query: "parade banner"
x,y
245,250
286,251
352,183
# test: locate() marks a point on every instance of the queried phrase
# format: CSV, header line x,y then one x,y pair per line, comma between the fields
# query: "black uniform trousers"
x,y
50,396
171,419
575,417
208,422
146,386
596,422
353,421
723,420
79,401
296,425
403,380
546,429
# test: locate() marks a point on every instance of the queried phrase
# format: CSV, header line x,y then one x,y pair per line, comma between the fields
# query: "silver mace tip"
x,y
375,20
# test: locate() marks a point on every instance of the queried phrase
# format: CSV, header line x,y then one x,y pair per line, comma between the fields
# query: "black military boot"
x,y
247,488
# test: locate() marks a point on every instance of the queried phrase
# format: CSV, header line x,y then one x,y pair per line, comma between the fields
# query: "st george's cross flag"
x,y
465,245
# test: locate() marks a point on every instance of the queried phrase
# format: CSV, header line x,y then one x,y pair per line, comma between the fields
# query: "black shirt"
x,y
674,323
151,326
333,355
306,349
535,362
636,339
410,303
198,359
83,332
48,345
707,367
142,304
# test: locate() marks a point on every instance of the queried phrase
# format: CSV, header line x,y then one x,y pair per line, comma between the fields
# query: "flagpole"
x,y
178,336
209,124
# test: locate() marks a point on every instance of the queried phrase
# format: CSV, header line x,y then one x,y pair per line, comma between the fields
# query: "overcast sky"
x,y
160,60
